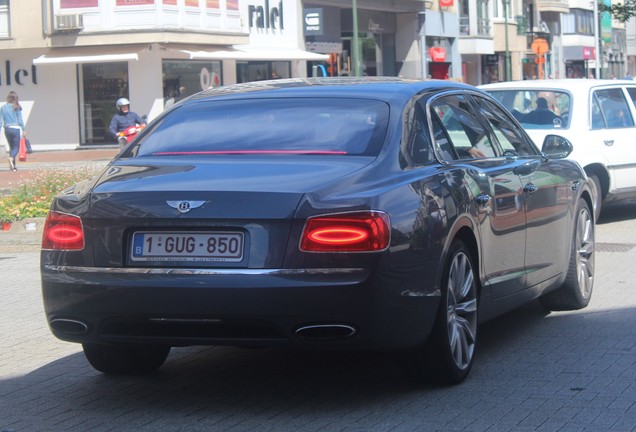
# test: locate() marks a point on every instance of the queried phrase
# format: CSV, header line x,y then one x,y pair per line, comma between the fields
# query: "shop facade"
x,y
68,89
401,38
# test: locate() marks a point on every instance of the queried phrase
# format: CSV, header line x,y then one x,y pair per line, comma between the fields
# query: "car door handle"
x,y
608,143
530,188
482,199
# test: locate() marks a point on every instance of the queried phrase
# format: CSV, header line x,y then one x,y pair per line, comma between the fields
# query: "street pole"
x,y
507,71
355,48
597,45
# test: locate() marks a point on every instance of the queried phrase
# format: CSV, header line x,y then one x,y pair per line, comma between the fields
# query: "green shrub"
x,y
32,198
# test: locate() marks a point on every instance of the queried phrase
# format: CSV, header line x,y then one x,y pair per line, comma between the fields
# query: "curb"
x,y
34,225
26,232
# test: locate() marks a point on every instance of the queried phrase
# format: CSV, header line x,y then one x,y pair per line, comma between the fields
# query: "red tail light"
x,y
63,232
347,232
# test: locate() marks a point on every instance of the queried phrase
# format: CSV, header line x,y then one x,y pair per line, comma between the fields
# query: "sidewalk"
x,y
26,234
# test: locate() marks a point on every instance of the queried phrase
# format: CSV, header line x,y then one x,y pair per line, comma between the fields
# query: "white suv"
x,y
597,116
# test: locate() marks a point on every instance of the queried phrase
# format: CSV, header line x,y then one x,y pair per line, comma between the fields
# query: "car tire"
x,y
597,195
576,291
125,359
449,353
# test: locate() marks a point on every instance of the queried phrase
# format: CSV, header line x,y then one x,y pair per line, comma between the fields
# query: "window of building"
x,y
578,21
499,6
483,20
4,19
464,17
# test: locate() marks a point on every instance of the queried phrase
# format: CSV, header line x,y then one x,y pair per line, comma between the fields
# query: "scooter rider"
x,y
123,119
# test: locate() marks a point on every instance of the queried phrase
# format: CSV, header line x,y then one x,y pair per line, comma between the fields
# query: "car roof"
x,y
381,88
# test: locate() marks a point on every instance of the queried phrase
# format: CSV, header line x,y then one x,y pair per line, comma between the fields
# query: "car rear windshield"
x,y
537,108
319,126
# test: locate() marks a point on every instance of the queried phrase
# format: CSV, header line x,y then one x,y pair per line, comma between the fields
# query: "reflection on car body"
x,y
346,214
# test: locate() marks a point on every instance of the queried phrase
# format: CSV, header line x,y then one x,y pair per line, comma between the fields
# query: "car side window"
x,y
598,122
465,133
510,140
418,141
632,93
613,108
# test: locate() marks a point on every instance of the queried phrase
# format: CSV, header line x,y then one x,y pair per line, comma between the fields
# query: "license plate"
x,y
187,246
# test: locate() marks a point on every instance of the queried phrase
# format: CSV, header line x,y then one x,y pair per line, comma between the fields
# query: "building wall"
x,y
25,26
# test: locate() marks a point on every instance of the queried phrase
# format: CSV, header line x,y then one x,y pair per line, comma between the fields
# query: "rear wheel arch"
x,y
601,173
599,180
464,232
466,235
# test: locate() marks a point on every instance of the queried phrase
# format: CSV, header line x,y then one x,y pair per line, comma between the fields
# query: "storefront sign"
x,y
71,4
313,21
491,59
589,53
266,17
134,2
438,54
446,3
19,77
208,79
374,27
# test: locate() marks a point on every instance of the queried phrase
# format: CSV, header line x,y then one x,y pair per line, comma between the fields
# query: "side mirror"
x,y
556,147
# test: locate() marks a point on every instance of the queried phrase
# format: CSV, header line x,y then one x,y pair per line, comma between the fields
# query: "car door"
x,y
499,197
545,197
613,127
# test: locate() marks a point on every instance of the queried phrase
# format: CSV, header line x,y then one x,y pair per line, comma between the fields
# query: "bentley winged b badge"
x,y
185,206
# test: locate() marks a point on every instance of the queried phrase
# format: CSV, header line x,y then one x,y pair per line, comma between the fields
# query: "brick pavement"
x,y
566,372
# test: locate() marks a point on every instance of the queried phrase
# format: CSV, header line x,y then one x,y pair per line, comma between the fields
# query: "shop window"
x,y
261,70
184,78
102,84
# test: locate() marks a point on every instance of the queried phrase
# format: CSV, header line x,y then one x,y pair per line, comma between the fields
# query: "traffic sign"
x,y
540,46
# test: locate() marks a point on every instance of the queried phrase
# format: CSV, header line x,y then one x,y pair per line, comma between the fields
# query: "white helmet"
x,y
121,102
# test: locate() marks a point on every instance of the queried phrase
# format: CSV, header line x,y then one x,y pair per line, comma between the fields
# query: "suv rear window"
x,y
537,109
269,126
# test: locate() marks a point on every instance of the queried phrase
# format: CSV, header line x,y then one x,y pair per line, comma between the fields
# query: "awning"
x,y
255,53
88,55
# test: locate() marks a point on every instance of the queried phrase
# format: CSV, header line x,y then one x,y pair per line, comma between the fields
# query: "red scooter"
x,y
128,134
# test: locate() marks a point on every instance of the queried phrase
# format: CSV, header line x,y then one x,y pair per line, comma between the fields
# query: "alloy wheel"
x,y
461,311
585,252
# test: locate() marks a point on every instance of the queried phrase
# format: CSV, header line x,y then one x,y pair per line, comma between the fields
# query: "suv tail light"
x,y
367,231
63,232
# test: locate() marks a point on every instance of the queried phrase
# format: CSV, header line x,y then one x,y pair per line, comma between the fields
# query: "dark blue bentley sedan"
x,y
343,214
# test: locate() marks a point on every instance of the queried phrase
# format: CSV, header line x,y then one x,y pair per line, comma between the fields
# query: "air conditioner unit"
x,y
69,22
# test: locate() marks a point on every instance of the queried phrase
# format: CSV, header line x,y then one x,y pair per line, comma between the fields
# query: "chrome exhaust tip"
x,y
69,326
325,332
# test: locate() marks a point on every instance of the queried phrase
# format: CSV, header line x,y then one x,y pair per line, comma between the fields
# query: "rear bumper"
x,y
354,309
